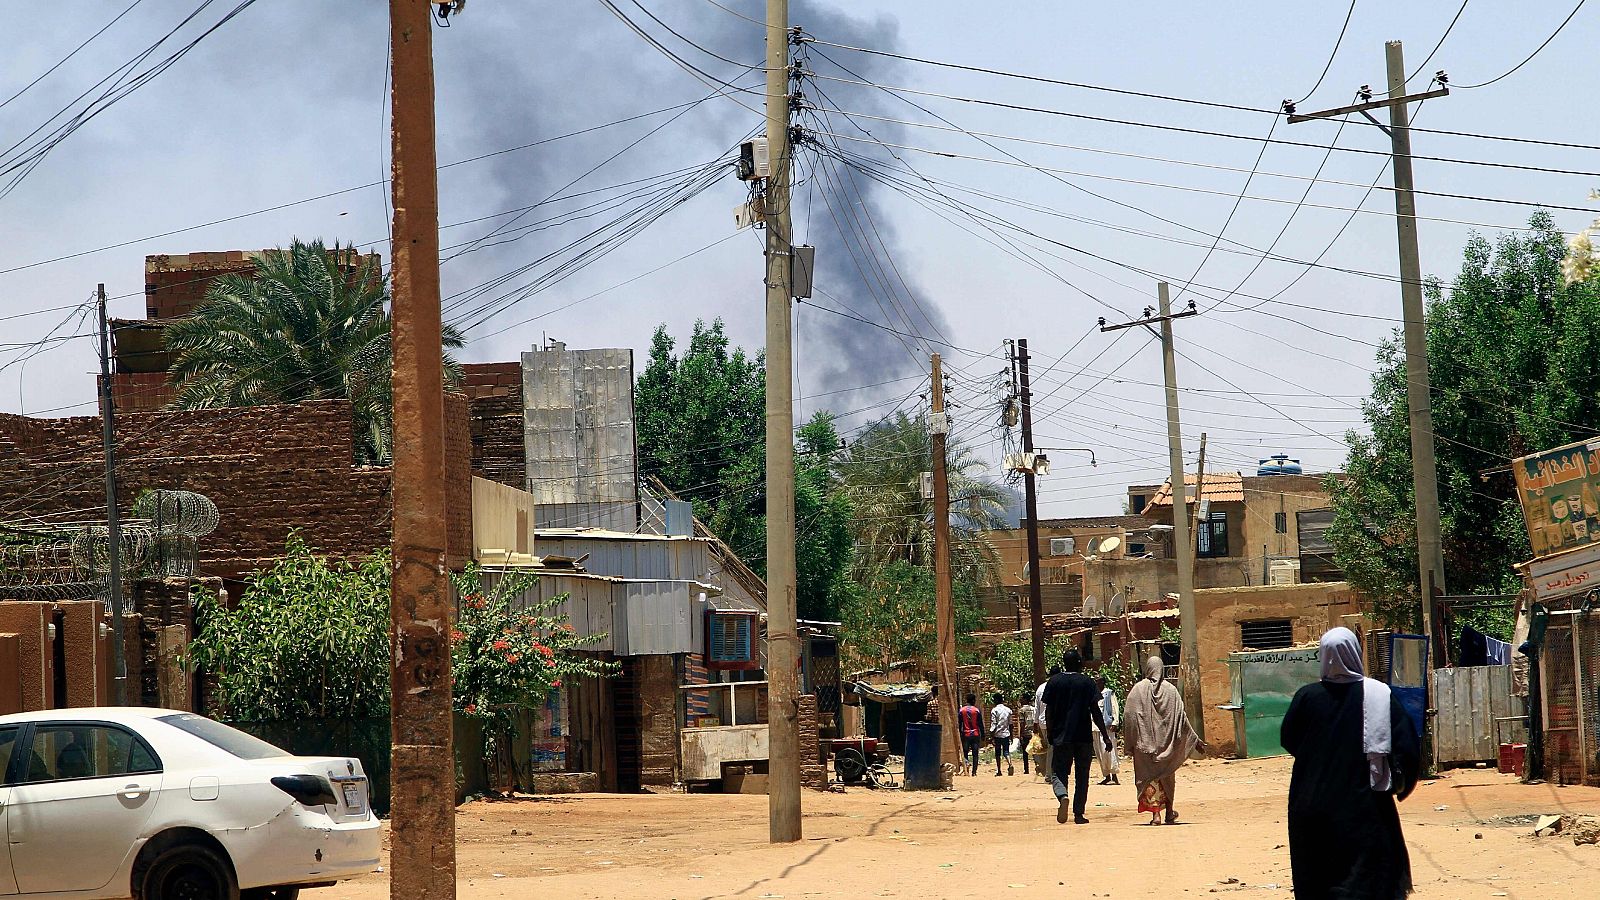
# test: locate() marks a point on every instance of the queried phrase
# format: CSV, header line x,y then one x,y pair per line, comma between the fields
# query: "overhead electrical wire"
x,y
1190,100
1536,51
74,52
1334,53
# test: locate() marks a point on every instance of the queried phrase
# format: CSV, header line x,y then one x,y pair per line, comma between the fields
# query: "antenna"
x,y
1118,605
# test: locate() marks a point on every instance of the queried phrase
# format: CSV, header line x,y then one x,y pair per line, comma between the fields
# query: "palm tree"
x,y
306,325
882,477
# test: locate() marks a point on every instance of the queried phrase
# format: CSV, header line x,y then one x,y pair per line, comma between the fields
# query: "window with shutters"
x,y
731,640
1280,522
1266,634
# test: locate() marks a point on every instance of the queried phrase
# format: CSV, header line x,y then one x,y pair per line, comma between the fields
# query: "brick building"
x,y
175,285
269,469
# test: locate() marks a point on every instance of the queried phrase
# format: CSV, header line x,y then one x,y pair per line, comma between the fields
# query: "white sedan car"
x,y
164,805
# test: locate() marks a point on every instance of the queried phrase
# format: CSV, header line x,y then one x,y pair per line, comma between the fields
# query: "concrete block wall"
x,y
30,621
813,764
86,653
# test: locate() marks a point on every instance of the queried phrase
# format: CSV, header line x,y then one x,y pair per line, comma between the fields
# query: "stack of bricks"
x,y
813,766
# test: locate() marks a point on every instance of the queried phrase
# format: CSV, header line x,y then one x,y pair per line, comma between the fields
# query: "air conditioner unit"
x,y
1063,546
1284,571
754,160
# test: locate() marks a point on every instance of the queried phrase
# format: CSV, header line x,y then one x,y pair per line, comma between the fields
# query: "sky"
x,y
961,239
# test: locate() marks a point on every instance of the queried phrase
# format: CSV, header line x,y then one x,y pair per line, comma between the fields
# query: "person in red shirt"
x,y
970,718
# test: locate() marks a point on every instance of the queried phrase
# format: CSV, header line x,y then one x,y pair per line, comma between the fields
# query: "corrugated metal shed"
x,y
638,617
630,555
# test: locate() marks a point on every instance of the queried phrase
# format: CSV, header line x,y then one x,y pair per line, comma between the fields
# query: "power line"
x,y
1536,51
1203,132
65,59
1187,100
1332,54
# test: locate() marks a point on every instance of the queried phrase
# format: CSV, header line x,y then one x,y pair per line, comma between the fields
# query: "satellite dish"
x,y
1091,606
1118,605
1110,544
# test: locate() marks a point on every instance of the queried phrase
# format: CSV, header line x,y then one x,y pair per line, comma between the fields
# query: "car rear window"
x,y
223,737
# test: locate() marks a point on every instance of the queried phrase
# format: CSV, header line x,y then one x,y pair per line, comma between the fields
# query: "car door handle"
x,y
135,791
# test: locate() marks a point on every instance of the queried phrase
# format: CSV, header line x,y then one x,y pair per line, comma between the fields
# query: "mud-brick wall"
x,y
1310,608
813,768
494,391
269,469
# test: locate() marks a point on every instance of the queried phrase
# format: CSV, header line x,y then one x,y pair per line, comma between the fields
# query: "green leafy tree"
x,y
1010,669
889,617
308,639
507,658
305,325
1511,350
702,425
824,539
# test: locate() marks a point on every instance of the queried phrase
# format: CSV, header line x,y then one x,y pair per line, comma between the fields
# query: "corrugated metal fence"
x,y
1469,699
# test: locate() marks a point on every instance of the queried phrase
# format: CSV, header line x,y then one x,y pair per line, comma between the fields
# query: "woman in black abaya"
x,y
1355,751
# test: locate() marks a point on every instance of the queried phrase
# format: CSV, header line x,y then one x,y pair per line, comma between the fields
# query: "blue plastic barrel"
x,y
922,757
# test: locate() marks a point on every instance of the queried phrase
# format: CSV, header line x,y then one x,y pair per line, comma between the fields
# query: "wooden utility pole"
x,y
944,605
108,426
422,608
1419,399
1182,538
783,651
1030,498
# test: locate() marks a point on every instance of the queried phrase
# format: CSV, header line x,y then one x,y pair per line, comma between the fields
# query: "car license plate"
x,y
352,797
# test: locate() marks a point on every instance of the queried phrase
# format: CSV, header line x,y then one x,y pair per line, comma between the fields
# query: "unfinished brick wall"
x,y
813,768
269,469
494,391
658,720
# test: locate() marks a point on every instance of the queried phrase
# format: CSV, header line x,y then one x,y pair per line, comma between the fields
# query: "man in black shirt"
x,y
1071,701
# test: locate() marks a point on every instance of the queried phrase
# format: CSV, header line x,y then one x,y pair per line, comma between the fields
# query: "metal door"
x,y
1408,675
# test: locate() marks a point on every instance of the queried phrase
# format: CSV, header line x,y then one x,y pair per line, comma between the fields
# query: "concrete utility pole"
x,y
1182,539
783,651
1031,502
422,605
1419,398
114,598
944,608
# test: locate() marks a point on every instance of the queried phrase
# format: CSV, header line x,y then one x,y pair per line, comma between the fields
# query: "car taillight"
x,y
311,790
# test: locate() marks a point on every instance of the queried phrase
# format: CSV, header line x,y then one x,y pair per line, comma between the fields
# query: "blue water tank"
x,y
1280,464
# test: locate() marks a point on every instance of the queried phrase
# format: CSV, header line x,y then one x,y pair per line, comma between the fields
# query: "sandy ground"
x,y
1469,835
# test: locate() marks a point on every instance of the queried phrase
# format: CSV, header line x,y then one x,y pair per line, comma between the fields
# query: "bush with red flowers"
x,y
507,655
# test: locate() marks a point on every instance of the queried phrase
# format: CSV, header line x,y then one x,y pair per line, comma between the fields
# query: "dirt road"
x,y
1469,834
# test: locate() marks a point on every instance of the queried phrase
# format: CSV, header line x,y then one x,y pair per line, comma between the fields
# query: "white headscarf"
x,y
1340,654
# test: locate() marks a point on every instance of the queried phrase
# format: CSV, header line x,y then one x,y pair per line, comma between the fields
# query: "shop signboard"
x,y
1560,494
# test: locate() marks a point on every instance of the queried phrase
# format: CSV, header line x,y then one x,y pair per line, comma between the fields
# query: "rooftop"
x,y
1096,522
1219,487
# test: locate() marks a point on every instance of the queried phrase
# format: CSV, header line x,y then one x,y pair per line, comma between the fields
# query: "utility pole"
x,y
1419,401
944,606
783,651
1031,503
108,427
1182,539
1199,495
422,605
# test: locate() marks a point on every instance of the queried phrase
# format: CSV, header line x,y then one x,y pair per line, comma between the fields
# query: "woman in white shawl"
x,y
1159,737
1355,751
